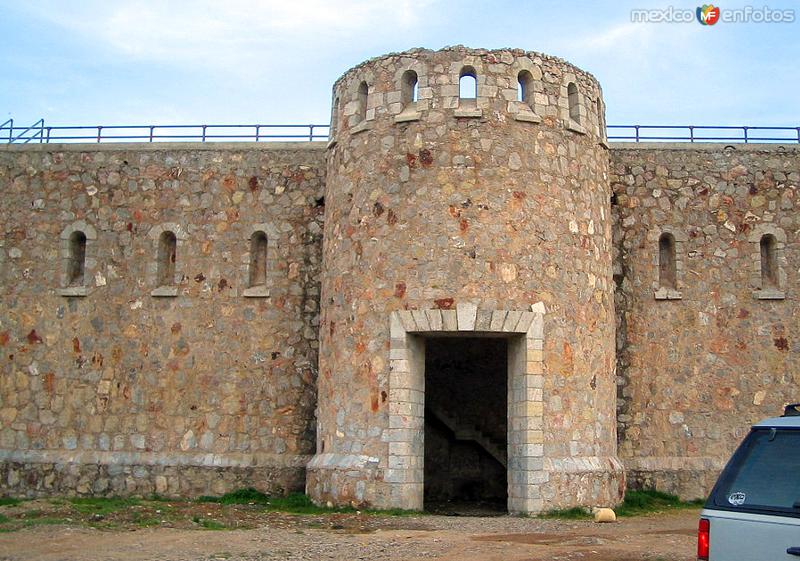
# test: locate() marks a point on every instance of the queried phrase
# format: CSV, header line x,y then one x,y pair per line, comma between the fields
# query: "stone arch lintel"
x,y
79,226
267,228
156,231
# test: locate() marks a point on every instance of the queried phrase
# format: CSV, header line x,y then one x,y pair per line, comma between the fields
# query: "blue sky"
x,y
248,61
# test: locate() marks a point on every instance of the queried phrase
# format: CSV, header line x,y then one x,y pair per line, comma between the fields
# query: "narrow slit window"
x,y
769,262
76,268
363,96
258,259
525,89
572,98
468,83
667,274
409,88
167,254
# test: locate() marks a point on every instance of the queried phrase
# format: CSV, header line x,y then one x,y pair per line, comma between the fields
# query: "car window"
x,y
764,473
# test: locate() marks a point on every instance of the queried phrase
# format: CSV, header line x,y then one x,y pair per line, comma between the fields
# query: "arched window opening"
x,y
167,254
258,259
76,267
572,98
667,275
468,83
525,89
769,262
409,88
363,96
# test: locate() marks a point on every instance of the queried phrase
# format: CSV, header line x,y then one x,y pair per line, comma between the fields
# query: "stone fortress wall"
x,y
204,373
699,362
123,383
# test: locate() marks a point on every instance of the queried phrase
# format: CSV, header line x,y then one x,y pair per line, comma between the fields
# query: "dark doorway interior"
x,y
466,386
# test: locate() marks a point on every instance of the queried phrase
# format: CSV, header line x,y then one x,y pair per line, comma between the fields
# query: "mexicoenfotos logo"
x,y
707,14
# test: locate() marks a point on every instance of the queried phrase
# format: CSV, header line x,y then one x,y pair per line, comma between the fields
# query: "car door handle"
x,y
793,551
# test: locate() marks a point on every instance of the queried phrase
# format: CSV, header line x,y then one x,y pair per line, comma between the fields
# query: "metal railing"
x,y
702,133
8,125
39,132
45,134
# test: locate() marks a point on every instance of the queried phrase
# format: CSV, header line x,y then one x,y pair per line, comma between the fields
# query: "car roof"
x,y
779,422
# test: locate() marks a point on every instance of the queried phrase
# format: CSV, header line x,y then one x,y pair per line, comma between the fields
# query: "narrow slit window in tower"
x,y
525,89
409,88
574,111
363,95
468,83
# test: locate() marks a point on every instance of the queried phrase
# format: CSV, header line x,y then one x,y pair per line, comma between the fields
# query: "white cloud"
x,y
617,37
224,34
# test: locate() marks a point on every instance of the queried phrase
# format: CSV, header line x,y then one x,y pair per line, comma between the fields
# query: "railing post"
x,y
41,133
99,133
204,133
11,132
310,133
49,129
691,133
798,135
152,130
637,132
258,130
745,134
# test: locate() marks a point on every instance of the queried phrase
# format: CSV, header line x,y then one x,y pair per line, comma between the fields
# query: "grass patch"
x,y
145,521
299,503
239,497
209,524
45,521
4,519
102,506
650,501
294,503
9,501
32,514
574,513
156,498
636,503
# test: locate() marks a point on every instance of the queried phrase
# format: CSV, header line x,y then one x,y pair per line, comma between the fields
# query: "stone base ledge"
x,y
96,457
583,481
347,480
687,477
49,478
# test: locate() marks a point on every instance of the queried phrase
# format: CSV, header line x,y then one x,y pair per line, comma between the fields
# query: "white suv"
x,y
753,513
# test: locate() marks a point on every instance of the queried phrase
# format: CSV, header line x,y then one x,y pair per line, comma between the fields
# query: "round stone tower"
x,y
467,200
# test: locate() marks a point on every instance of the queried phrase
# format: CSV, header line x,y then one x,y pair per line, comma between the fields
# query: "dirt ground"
x,y
286,537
